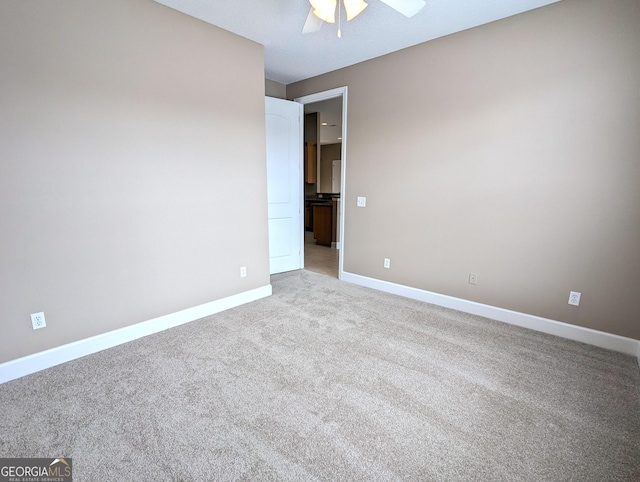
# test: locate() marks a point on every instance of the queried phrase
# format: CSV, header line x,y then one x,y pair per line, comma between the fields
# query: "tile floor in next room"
x,y
319,259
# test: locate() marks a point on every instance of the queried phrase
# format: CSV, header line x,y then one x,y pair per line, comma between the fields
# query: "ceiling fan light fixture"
x,y
327,17
354,7
324,10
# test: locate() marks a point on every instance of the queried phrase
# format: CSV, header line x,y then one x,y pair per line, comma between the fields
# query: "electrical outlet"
x,y
387,263
574,298
473,278
38,321
243,272
362,202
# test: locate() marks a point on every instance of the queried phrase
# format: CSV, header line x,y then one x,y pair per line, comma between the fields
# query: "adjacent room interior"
x,y
322,173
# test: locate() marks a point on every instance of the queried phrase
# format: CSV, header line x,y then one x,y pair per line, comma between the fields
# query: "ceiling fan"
x,y
325,11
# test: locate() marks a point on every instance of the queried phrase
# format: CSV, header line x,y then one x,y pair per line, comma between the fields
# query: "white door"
x,y
284,184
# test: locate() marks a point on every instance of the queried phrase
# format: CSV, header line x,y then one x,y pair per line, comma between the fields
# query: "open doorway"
x,y
324,169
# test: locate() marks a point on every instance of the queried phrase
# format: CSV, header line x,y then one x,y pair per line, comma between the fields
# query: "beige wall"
x,y
275,89
511,150
132,167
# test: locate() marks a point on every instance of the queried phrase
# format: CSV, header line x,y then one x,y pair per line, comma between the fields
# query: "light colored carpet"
x,y
330,381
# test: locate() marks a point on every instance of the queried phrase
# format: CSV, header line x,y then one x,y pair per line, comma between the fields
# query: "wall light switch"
x,y
362,201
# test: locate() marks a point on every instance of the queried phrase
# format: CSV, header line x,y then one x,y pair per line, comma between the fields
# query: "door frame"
x,y
319,97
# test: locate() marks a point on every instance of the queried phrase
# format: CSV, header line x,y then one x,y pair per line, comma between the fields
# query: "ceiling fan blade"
x,y
312,23
408,8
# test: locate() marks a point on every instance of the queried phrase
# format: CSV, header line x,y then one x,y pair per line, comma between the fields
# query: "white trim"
x,y
39,361
609,341
301,180
319,97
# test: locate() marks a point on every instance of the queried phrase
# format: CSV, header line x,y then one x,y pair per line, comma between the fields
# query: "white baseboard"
x,y
39,361
609,341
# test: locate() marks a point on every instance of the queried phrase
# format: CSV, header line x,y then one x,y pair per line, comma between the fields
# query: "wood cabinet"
x,y
308,216
310,162
323,224
335,220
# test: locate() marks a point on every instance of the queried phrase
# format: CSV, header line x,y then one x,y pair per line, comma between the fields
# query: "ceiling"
x,y
290,56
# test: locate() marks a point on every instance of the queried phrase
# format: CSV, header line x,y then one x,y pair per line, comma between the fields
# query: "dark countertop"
x,y
327,201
